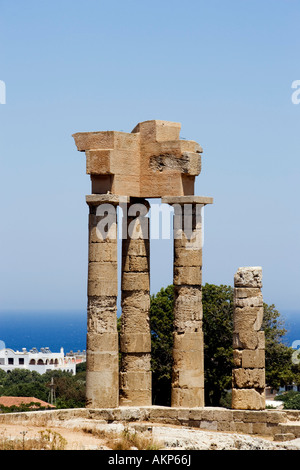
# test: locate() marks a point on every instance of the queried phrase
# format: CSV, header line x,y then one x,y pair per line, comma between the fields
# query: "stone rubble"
x,y
185,438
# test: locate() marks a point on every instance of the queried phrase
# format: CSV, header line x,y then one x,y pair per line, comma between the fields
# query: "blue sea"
x,y
44,329
68,330
291,319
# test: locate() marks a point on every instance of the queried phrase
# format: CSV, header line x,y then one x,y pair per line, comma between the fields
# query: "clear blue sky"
x,y
223,69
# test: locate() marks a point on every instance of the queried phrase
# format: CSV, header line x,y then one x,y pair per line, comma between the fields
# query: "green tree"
x,y
161,324
69,389
291,400
23,383
217,329
279,367
22,375
37,390
218,333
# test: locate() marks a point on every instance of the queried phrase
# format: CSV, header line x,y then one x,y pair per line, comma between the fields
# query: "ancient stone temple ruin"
x,y
126,170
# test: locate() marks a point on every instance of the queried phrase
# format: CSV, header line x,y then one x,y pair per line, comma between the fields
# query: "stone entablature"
x,y
149,162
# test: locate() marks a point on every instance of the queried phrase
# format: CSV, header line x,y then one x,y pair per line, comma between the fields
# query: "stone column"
x,y
135,338
248,376
102,390
188,357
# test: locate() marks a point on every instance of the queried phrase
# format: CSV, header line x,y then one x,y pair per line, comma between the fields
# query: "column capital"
x,y
97,199
187,200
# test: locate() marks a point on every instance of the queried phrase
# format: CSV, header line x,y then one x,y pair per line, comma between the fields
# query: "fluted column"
x,y
102,390
135,338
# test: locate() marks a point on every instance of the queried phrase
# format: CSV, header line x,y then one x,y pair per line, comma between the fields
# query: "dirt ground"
x,y
76,439
162,436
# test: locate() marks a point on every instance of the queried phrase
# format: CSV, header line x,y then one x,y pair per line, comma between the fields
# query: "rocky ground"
x,y
81,434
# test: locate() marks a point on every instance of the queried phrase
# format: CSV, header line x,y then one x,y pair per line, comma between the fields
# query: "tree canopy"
x,y
218,332
69,389
161,324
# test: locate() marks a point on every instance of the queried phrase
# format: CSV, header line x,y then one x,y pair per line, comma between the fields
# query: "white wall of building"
x,y
40,361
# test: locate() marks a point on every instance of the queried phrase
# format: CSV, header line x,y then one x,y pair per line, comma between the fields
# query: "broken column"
x,y
135,337
102,390
248,375
188,356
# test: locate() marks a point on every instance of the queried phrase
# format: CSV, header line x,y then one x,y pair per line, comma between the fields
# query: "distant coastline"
x,y
68,329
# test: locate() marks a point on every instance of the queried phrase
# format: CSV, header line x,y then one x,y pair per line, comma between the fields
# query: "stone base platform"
x,y
272,423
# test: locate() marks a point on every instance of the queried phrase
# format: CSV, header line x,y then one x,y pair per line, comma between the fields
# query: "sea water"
x,y
67,329
44,329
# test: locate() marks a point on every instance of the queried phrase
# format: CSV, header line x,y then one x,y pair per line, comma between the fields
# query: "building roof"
x,y
17,401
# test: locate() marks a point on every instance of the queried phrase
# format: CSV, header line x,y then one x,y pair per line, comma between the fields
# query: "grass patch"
x,y
125,440
47,440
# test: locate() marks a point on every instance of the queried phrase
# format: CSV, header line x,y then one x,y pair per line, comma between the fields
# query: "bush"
x,y
290,399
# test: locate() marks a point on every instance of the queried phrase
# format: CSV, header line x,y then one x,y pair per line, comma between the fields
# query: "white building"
x,y
40,361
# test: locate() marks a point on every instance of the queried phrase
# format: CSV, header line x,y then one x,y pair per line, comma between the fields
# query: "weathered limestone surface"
x,y
188,358
269,423
151,161
102,336
135,339
248,376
